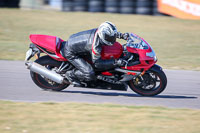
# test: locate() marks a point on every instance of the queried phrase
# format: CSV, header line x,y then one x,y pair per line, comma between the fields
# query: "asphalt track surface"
x,y
183,90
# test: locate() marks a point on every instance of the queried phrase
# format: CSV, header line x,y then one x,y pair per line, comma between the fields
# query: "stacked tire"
x,y
112,6
9,3
144,7
80,5
127,6
67,5
155,9
2,4
96,6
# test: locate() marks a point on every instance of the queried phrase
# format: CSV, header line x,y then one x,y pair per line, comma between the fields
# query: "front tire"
x,y
43,82
152,83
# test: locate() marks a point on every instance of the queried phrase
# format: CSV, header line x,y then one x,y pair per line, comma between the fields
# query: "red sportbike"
x,y
140,73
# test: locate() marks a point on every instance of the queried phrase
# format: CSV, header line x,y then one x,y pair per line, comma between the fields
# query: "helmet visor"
x,y
111,39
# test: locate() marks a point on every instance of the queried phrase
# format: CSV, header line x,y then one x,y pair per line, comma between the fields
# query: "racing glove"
x,y
124,36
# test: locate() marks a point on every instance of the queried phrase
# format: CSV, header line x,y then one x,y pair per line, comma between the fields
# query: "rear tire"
x,y
152,83
43,82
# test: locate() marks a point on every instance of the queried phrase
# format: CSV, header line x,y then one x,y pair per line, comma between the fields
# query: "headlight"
x,y
155,58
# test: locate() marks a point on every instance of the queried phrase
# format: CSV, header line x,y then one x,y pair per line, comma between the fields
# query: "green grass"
x,y
175,41
17,117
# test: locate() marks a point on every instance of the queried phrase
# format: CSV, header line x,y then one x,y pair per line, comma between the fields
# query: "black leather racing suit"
x,y
86,43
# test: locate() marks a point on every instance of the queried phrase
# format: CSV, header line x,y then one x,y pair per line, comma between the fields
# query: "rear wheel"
x,y
43,82
151,83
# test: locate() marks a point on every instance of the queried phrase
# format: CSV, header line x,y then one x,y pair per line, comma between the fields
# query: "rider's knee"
x,y
90,76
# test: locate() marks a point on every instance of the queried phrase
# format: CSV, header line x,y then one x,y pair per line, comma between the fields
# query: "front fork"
x,y
155,67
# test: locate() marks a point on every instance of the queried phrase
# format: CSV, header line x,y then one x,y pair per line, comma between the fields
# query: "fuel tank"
x,y
114,51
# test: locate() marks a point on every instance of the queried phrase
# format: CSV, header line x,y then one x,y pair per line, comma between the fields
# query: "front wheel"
x,y
43,82
152,83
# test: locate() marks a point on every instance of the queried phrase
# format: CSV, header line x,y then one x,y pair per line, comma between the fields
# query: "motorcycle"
x,y
141,73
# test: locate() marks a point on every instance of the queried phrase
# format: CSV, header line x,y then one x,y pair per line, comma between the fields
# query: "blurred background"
x,y
144,7
175,41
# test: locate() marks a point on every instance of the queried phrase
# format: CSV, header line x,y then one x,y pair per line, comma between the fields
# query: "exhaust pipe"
x,y
37,68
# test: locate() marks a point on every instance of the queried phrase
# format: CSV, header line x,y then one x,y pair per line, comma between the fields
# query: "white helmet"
x,y
107,32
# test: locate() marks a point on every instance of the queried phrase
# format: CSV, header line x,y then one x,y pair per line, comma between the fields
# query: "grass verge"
x,y
18,117
175,41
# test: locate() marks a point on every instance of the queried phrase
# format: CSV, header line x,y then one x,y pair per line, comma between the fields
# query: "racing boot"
x,y
71,77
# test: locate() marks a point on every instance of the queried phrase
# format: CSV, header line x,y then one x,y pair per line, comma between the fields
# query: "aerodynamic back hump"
x,y
48,44
45,41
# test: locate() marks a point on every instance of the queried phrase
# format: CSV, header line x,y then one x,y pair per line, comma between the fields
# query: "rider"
x,y
90,42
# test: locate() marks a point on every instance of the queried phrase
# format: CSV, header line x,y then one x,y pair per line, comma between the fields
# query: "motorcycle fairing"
x,y
48,44
147,56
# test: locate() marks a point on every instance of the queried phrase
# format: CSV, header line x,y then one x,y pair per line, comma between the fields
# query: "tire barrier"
x,y
144,7
96,6
128,6
67,5
80,5
2,4
9,3
112,6
155,9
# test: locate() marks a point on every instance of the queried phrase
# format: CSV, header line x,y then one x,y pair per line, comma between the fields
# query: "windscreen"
x,y
135,41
